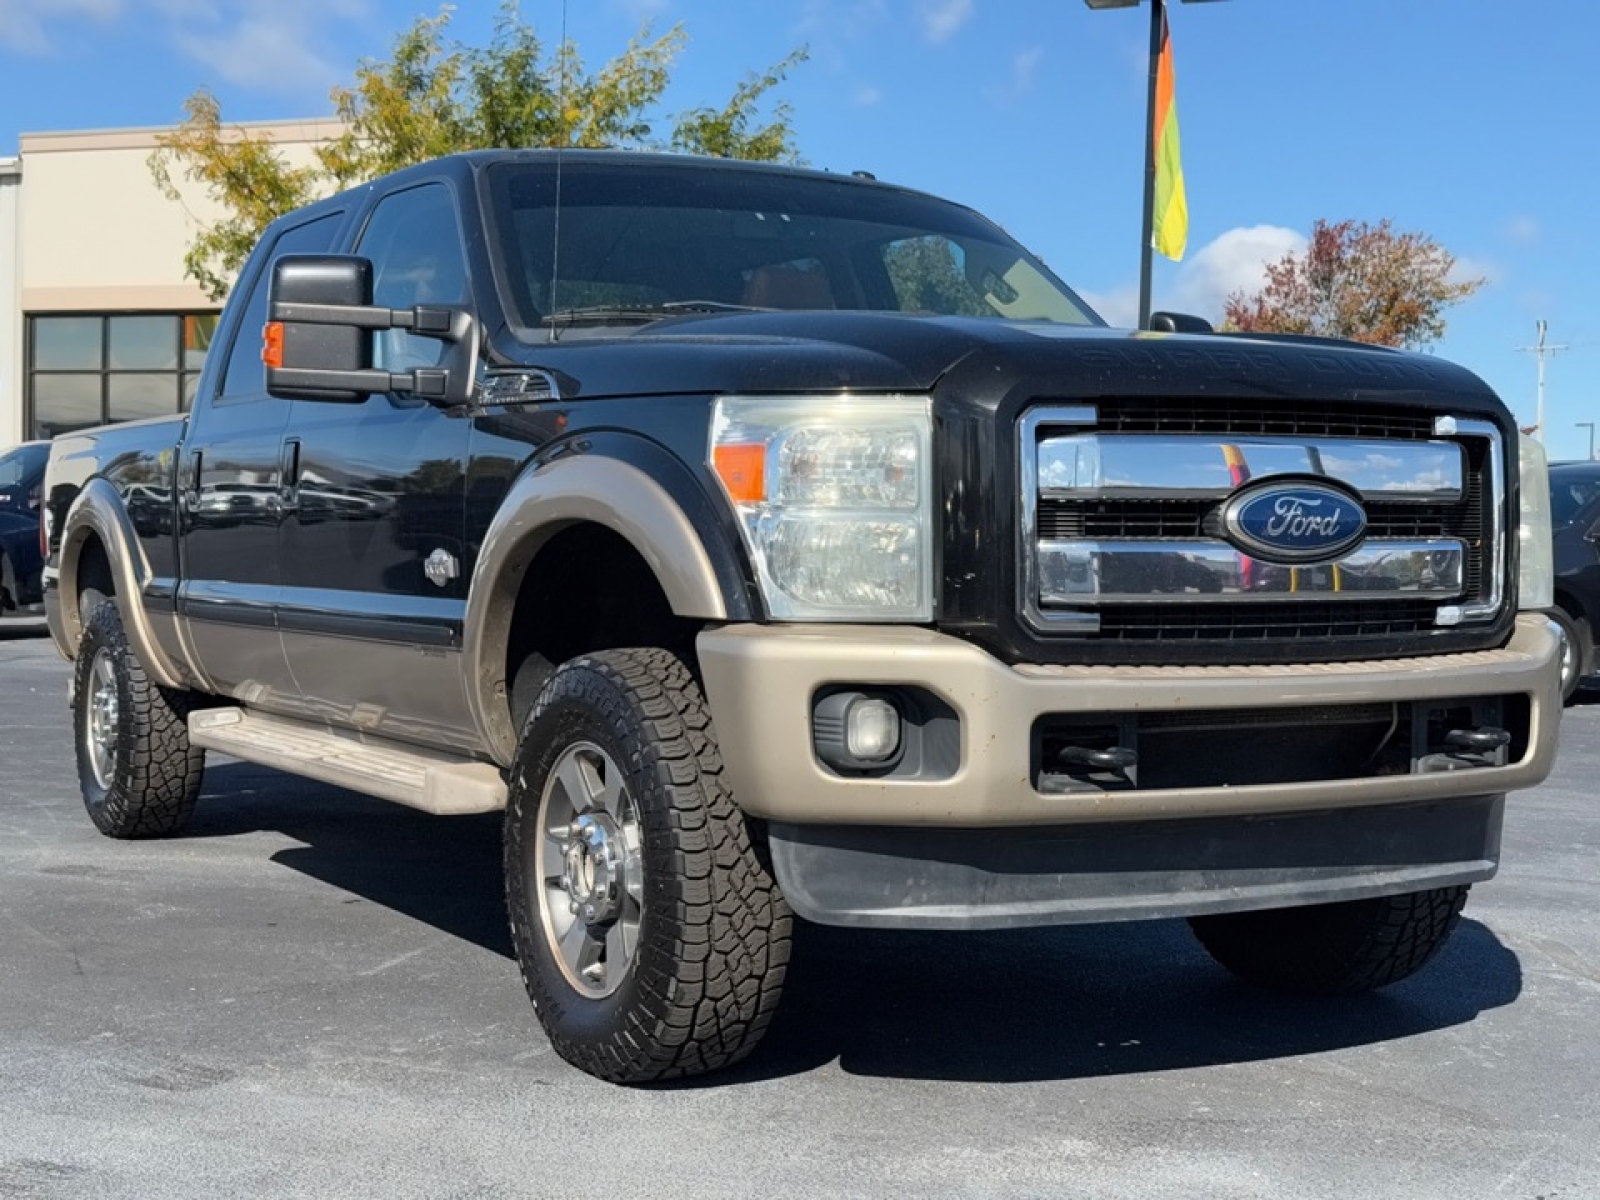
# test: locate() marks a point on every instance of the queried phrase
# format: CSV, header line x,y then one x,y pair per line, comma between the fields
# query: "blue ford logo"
x,y
1293,521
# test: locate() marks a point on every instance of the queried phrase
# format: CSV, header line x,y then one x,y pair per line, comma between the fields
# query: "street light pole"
x,y
1589,425
1158,13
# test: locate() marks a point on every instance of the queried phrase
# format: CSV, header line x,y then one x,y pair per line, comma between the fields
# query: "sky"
x,y
1464,120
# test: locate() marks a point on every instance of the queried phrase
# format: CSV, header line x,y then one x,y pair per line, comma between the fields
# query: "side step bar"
x,y
417,778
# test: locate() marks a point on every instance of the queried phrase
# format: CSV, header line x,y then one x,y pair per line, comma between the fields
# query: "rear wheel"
x,y
139,775
1353,946
652,938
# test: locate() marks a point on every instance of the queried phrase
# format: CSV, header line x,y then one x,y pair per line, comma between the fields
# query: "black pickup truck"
x,y
772,543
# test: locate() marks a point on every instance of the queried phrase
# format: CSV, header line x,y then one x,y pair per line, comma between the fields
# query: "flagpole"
x,y
1147,229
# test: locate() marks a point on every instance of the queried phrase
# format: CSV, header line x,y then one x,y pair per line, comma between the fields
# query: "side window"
x,y
414,242
244,379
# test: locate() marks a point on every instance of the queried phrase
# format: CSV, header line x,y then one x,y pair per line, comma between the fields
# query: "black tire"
x,y
1577,652
700,982
10,597
1333,949
145,778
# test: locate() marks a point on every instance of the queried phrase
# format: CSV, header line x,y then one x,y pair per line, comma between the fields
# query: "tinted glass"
x,y
760,239
1569,494
134,397
244,377
66,343
22,464
414,242
143,343
62,403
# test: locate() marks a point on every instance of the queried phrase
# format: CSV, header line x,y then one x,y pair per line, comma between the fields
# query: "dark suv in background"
x,y
21,481
1575,522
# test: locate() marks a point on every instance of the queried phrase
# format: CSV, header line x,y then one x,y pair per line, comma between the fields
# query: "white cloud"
x,y
1464,270
942,18
1523,230
265,46
1024,66
867,95
1119,307
22,22
642,12
1235,261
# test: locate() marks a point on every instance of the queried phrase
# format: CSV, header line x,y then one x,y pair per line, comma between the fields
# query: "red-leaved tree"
x,y
1358,281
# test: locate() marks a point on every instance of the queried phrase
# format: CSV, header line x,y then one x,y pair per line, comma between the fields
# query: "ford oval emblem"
x,y
1294,521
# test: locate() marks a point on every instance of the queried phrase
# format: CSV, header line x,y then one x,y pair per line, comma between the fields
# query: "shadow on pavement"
x,y
1069,1002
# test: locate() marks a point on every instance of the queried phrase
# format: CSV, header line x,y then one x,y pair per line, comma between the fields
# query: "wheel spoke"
x,y
620,940
612,797
578,949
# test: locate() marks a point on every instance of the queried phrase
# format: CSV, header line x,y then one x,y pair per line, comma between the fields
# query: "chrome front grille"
x,y
1122,537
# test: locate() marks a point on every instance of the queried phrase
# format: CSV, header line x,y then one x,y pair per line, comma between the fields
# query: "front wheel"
x,y
1329,949
139,775
651,936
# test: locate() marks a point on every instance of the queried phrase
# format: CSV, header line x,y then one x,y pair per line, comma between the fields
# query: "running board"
x,y
435,783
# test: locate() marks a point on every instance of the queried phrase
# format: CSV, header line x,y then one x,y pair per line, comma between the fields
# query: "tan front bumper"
x,y
760,681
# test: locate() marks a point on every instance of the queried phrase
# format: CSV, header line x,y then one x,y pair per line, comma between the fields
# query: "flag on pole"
x,y
1171,233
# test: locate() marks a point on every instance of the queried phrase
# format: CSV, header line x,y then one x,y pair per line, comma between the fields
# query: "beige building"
x,y
97,322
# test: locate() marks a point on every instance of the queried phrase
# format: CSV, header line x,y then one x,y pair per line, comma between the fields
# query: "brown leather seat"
x,y
783,285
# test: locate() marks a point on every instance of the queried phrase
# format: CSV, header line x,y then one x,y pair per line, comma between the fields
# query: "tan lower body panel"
x,y
761,680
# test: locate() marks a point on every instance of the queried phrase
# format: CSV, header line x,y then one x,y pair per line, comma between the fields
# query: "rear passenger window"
x,y
245,379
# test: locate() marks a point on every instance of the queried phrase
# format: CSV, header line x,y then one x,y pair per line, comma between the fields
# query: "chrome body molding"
x,y
1169,466
570,491
98,512
1134,572
1495,553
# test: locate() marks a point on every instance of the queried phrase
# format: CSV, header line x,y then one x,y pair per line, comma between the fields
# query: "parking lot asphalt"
x,y
311,994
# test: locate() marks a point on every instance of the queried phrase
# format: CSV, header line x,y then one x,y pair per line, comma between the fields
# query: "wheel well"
x,y
94,568
587,589
1571,604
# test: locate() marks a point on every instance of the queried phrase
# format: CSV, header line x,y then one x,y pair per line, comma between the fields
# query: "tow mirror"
x,y
317,344
1176,322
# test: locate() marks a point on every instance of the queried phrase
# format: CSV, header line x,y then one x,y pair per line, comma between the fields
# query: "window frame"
x,y
181,375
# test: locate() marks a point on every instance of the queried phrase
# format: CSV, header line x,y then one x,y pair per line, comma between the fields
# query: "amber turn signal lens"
x,y
743,471
272,344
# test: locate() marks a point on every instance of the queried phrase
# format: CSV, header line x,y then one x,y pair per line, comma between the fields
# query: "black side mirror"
x,y
1171,322
318,341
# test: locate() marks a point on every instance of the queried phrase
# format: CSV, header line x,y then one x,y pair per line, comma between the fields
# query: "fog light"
x,y
871,729
857,731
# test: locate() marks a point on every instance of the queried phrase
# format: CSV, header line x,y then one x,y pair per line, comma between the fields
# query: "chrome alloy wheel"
x,y
100,730
591,873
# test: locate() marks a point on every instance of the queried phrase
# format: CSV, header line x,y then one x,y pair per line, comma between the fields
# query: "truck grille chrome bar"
x,y
1121,516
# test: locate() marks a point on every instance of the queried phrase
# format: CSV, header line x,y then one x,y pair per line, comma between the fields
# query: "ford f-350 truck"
x,y
772,543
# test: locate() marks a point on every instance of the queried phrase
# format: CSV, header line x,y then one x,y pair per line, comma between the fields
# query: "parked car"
x,y
1575,526
21,481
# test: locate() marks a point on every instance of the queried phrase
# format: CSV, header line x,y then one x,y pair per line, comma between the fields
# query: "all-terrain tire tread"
x,y
1334,949
157,772
717,936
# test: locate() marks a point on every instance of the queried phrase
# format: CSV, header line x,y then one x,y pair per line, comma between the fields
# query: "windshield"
x,y
639,242
1569,494
21,465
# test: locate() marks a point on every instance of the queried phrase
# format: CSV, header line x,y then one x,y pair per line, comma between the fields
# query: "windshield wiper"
x,y
599,314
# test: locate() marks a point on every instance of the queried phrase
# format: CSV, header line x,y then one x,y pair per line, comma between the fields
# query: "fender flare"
x,y
98,511
560,493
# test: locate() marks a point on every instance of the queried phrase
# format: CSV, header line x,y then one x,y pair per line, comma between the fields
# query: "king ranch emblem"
x,y
1291,521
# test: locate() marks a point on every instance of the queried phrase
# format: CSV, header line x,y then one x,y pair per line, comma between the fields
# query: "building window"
x,y
91,369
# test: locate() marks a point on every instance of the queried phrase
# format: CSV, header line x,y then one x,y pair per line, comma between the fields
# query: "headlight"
x,y
834,498
1536,581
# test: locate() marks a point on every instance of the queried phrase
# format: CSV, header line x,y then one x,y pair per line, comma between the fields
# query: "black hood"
x,y
893,352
